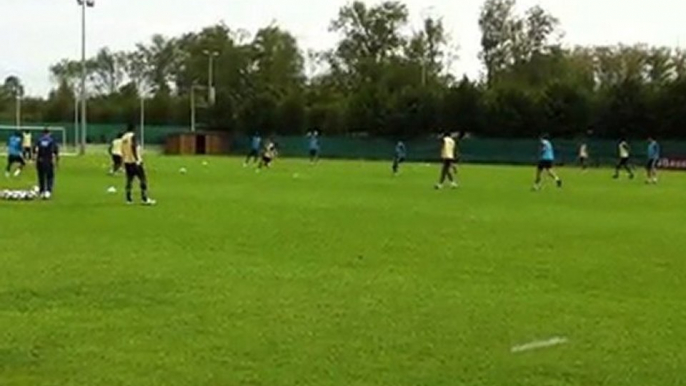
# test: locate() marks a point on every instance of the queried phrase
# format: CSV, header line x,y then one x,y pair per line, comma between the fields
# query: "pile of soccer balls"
x,y
19,195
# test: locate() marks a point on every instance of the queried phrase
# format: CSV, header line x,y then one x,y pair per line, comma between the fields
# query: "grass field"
x,y
341,275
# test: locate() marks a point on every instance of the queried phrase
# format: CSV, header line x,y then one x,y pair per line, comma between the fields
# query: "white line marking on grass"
x,y
539,344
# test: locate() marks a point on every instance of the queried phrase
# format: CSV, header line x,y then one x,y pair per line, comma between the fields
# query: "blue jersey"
x,y
314,142
400,151
47,150
256,142
14,146
654,151
547,152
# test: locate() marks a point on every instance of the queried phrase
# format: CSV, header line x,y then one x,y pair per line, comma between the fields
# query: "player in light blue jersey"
x,y
314,146
653,160
15,154
255,146
546,161
400,154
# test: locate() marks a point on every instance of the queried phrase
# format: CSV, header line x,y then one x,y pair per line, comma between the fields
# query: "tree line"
x,y
382,77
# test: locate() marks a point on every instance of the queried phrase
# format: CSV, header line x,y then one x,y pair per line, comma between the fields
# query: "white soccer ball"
x,y
183,171
204,163
111,190
35,189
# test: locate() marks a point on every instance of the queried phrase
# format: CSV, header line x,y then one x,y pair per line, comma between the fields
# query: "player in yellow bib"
x,y
624,151
116,154
27,144
583,156
268,154
448,147
133,165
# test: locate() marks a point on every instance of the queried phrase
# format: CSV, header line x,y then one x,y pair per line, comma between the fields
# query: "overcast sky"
x,y
37,33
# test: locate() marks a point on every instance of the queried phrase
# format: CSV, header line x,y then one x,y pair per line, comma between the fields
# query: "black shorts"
x,y
117,160
314,152
545,165
15,159
651,164
134,171
254,153
266,160
448,163
623,162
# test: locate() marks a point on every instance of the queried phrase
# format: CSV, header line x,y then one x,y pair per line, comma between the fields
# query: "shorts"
x,y
15,159
134,171
545,165
254,153
448,163
623,162
266,160
314,152
651,164
117,160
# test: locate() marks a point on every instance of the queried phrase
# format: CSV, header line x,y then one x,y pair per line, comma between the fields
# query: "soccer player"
x,y
400,154
583,156
27,143
255,145
447,161
115,153
624,157
546,160
133,166
47,157
14,154
653,160
314,146
268,154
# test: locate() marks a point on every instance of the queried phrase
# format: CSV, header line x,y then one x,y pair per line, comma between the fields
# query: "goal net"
x,y
58,133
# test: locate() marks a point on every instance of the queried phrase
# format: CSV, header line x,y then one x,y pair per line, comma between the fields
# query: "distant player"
x,y
14,154
47,157
653,160
447,162
133,165
583,156
624,151
400,154
268,154
546,162
314,145
115,154
255,146
27,144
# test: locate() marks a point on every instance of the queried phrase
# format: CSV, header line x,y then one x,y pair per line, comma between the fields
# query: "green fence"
x,y
104,133
507,151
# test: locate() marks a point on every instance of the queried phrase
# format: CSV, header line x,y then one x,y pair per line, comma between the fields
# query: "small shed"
x,y
198,143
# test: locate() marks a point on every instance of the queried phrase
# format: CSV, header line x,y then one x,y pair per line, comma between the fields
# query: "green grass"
x,y
342,276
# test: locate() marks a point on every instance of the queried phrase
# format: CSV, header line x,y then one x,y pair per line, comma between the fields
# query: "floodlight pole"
x,y
76,121
193,108
210,75
84,4
17,118
142,121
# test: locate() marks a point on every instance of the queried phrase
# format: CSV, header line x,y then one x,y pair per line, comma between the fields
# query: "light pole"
x,y
193,108
83,4
210,76
17,114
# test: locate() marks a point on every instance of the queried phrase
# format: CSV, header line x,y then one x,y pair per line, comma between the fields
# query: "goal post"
x,y
59,133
